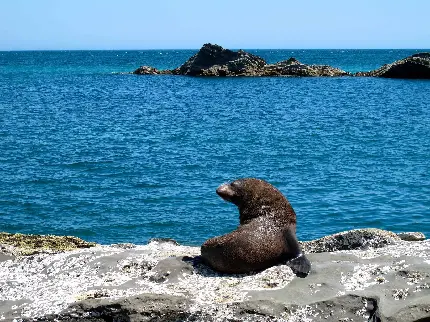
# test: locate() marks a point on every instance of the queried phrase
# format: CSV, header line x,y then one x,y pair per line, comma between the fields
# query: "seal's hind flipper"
x,y
300,265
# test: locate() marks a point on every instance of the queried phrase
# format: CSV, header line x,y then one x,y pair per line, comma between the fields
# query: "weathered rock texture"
x,y
162,281
415,66
412,236
20,244
292,67
213,60
148,70
352,239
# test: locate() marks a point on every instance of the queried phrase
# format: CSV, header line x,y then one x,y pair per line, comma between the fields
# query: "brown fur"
x,y
267,224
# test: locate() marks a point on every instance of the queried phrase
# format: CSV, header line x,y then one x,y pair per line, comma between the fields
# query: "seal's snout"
x,y
225,192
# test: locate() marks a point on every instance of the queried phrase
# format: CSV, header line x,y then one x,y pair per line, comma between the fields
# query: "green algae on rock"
x,y
23,244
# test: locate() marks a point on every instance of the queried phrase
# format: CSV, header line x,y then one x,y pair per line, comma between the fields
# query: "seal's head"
x,y
232,192
255,198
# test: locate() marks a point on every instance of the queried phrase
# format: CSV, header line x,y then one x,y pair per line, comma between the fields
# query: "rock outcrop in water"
x,y
292,67
415,67
213,60
368,275
148,70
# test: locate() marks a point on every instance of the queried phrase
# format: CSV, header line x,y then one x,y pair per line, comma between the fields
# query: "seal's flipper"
x,y
300,265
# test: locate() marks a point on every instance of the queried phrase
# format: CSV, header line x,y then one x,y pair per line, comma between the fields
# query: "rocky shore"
x,y
213,60
358,275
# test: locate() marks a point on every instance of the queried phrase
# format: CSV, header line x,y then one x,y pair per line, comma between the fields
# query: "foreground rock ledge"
x,y
213,60
377,276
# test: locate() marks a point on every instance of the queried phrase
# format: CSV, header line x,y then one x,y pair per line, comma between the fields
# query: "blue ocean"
x,y
110,157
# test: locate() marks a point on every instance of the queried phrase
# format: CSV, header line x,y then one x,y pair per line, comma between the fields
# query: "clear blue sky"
x,y
168,24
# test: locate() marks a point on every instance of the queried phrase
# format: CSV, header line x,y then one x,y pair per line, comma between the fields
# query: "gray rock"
x,y
382,278
348,307
124,245
352,239
415,66
10,309
144,307
5,257
414,312
171,269
412,236
359,286
164,240
259,308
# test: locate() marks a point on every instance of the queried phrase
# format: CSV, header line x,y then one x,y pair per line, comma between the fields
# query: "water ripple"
x,y
120,158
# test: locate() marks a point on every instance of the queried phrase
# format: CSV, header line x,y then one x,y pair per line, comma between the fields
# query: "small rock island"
x,y
214,60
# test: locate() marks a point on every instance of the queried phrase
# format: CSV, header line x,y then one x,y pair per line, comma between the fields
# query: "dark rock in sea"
x,y
148,70
416,67
213,60
292,67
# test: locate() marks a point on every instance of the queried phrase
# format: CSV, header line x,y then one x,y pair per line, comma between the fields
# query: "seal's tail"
x,y
300,265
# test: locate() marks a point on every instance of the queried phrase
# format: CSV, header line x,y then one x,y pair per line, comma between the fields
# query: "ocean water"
x,y
109,157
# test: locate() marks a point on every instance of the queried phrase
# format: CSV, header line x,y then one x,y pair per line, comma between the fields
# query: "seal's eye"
x,y
236,184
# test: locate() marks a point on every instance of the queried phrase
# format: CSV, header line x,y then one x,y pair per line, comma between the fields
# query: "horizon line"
x,y
189,49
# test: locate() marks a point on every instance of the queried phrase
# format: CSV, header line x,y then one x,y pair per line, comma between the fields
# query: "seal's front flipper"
x,y
300,265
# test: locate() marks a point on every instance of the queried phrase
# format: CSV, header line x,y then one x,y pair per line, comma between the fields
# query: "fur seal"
x,y
265,237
